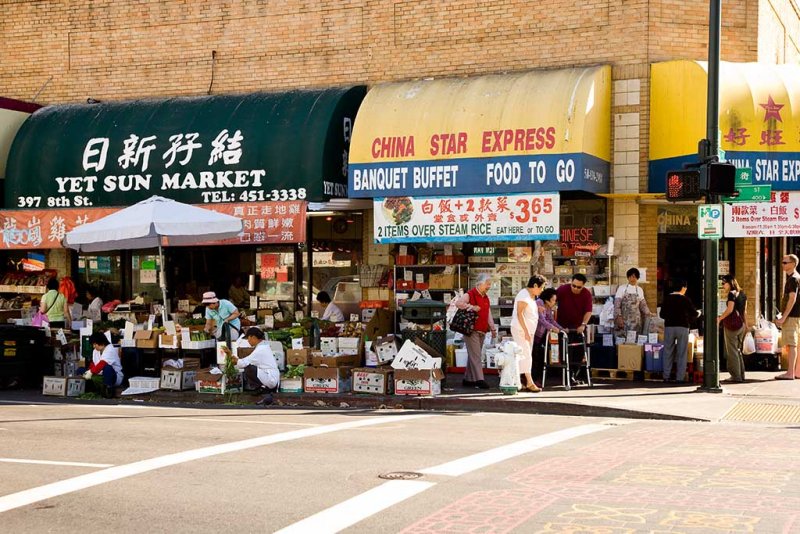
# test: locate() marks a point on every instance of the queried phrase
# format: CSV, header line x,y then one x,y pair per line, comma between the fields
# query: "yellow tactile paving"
x,y
764,413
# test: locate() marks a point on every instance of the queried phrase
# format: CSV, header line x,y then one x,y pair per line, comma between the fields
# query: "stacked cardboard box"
x,y
416,371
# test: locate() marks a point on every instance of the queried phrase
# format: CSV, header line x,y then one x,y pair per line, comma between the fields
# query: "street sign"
x,y
744,176
751,193
709,221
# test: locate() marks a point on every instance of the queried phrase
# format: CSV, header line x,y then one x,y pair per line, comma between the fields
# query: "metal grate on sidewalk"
x,y
764,413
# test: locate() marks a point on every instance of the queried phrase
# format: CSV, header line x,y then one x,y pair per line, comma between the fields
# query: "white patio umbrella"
x,y
144,224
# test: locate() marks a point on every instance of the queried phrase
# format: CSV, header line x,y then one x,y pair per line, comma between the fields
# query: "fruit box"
x,y
377,381
326,379
178,379
219,384
70,386
146,339
418,381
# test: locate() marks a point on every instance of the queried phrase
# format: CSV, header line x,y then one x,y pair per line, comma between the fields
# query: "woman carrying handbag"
x,y
54,305
734,327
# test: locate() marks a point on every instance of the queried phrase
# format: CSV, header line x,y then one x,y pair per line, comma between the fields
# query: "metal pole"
x,y
711,295
163,283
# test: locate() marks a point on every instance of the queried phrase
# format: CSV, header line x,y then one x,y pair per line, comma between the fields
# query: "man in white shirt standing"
x,y
260,367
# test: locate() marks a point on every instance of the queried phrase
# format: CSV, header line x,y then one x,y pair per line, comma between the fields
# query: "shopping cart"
x,y
567,351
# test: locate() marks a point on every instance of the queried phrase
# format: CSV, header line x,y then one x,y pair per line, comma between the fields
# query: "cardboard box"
x,y
178,379
413,356
377,381
654,358
629,357
211,383
166,341
298,356
145,339
350,345
291,385
329,345
386,348
188,363
326,379
339,360
442,281
563,270
418,381
70,386
381,324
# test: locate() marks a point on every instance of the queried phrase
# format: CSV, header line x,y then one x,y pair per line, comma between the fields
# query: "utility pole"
x,y
711,294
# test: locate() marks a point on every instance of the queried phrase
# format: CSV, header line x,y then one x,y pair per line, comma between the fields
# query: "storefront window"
x,y
277,276
145,283
104,272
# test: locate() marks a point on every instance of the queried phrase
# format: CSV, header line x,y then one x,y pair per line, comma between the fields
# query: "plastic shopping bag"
x,y
39,319
766,337
749,344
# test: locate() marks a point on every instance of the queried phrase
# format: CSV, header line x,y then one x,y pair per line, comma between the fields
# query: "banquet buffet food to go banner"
x,y
263,223
520,217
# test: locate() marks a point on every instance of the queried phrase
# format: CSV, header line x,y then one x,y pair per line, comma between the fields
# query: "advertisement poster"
x,y
263,222
778,218
520,217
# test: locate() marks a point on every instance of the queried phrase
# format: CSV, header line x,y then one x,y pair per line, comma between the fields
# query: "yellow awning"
x,y
523,132
759,118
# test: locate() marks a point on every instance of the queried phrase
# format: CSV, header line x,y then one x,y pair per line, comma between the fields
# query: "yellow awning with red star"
x,y
759,119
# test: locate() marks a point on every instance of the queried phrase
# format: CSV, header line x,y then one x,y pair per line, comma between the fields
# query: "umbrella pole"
x,y
163,283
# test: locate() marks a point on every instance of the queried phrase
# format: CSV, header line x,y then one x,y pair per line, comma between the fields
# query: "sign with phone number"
x,y
518,217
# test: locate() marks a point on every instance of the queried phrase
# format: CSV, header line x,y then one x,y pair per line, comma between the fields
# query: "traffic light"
x,y
683,185
719,178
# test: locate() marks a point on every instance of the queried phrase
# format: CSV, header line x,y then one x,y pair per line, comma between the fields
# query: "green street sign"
x,y
751,193
744,176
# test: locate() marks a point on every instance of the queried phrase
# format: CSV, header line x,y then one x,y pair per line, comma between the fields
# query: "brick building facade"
x,y
64,51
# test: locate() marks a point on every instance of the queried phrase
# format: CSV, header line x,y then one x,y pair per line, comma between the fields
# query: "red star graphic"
x,y
773,110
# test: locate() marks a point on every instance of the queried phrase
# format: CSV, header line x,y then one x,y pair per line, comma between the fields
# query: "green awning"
x,y
228,148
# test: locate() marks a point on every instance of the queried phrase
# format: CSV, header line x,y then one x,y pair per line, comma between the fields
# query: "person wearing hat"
x,y
220,312
105,363
260,367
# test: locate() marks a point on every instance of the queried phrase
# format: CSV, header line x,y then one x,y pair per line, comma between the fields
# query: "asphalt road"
x,y
152,469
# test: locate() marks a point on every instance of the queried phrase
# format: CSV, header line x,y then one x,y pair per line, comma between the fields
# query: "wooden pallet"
x,y
654,375
614,374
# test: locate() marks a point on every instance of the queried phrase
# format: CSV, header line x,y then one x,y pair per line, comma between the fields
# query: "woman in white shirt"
x,y
630,308
332,312
260,367
523,327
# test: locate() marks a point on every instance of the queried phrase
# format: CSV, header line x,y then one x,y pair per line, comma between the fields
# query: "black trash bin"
x,y
26,356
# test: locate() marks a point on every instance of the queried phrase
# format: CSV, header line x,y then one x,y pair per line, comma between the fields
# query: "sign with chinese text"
x,y
757,120
220,149
263,222
521,217
778,218
484,135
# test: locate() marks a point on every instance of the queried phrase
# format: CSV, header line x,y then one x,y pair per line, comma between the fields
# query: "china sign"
x,y
520,217
778,218
263,223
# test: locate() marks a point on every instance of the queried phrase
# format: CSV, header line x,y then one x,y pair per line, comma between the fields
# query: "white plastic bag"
x,y
766,337
749,344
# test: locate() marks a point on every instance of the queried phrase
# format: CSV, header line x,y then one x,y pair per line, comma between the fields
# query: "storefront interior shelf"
x,y
32,290
430,265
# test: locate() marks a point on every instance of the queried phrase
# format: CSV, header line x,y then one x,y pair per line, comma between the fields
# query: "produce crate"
x,y
437,339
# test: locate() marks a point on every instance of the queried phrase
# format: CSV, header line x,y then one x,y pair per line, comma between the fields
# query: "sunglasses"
x,y
576,287
783,262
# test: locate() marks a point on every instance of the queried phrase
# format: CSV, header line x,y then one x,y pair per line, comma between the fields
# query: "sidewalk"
x,y
760,399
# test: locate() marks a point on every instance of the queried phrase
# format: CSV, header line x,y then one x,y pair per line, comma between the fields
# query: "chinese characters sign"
x,y
778,218
222,149
263,222
437,219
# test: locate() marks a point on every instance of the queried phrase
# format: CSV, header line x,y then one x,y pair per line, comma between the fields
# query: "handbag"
x,y
733,321
463,321
40,317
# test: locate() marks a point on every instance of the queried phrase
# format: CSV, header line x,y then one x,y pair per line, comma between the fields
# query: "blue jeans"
x,y
676,338
109,375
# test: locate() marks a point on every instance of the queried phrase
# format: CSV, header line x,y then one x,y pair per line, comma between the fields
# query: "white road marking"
x,y
369,503
237,420
23,498
49,462
493,456
354,510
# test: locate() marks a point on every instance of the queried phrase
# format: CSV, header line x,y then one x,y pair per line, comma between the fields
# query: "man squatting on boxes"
x,y
260,367
105,363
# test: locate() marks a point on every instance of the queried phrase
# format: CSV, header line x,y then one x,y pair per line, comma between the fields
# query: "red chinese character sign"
x,y
520,217
263,222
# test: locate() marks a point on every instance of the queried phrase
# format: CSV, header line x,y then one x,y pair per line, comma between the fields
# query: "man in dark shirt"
x,y
678,313
790,315
574,304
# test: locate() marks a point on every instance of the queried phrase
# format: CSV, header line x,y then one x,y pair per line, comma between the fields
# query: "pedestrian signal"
x,y
683,185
